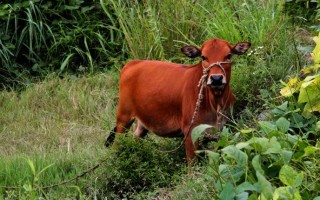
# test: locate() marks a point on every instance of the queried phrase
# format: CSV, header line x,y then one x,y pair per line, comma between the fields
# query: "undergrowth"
x,y
277,159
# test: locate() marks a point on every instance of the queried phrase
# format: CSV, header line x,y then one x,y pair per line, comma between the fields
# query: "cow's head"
x,y
216,51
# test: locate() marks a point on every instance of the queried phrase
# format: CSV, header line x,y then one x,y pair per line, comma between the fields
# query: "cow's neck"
x,y
216,102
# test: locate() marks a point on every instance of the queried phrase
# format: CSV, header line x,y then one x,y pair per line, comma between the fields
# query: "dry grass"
x,y
64,115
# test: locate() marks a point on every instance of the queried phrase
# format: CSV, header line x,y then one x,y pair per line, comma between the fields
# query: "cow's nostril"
x,y
216,79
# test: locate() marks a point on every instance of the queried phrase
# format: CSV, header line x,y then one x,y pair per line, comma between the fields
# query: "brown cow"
x,y
162,95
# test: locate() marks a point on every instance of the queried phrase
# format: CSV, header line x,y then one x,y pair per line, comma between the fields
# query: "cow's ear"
x,y
191,51
241,48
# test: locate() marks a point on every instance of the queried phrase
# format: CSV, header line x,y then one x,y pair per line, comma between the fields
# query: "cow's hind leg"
x,y
123,123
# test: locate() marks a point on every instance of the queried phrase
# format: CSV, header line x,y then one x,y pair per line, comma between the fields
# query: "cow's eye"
x,y
228,57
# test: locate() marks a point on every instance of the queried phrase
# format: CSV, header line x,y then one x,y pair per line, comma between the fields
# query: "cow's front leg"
x,y
190,148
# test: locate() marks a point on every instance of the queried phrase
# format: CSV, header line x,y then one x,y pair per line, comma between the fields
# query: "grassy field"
x,y
54,129
58,121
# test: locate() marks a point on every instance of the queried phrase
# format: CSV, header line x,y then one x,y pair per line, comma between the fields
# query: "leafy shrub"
x,y
279,158
135,166
304,89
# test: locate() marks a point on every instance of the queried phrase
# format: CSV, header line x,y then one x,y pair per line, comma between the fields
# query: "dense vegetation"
x,y
59,69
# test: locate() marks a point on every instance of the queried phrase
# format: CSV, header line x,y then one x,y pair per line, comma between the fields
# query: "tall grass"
x,y
158,29
23,40
39,37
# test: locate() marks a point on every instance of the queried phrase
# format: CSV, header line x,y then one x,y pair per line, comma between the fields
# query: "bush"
x,y
278,158
38,37
304,12
135,166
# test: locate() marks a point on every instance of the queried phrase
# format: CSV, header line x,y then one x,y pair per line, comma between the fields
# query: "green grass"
x,y
64,111
158,29
58,121
54,130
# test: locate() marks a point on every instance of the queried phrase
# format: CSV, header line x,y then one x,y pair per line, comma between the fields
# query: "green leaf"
x,y
286,193
246,131
310,151
197,131
273,146
318,126
266,146
213,157
316,52
242,145
242,196
287,155
267,127
256,164
317,198
283,124
235,163
228,192
265,185
290,177
310,94
65,62
309,89
232,152
291,87
86,9
246,186
311,107
280,110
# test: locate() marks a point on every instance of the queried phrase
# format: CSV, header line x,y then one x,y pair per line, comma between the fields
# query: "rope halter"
x,y
206,71
202,83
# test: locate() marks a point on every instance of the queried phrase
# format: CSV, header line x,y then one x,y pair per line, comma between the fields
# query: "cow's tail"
x,y
110,138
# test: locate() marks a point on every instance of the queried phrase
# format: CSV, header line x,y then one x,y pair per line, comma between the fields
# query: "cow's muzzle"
x,y
216,81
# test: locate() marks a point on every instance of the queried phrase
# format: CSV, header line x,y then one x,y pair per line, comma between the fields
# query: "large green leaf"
x,y
235,163
290,177
242,196
197,131
265,145
316,52
233,152
291,87
246,186
283,124
228,192
310,89
256,164
265,185
286,155
310,151
286,193
310,94
267,127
